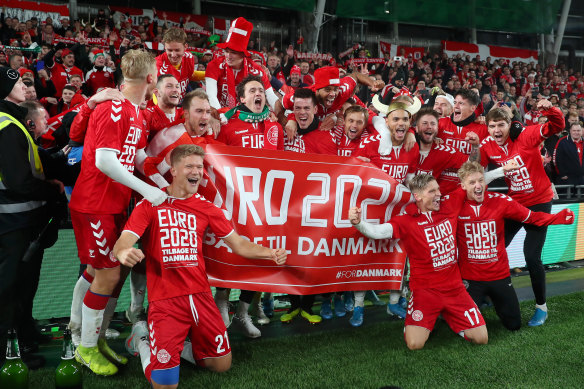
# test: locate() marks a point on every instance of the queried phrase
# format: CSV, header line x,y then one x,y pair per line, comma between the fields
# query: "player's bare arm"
x,y
473,139
366,80
125,251
251,250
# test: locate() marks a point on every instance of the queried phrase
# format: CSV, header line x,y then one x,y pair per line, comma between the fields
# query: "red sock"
x,y
95,301
87,276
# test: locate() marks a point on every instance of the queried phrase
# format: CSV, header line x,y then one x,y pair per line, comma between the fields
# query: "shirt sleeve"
x,y
395,223
218,223
453,201
108,122
328,145
346,88
139,219
223,134
212,70
413,166
362,150
511,209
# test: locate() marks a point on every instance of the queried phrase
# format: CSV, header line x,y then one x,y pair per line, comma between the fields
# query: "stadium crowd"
x,y
100,93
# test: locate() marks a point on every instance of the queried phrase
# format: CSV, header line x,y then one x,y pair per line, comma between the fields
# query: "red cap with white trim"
x,y
326,76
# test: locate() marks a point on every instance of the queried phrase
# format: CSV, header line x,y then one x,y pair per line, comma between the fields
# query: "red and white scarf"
x,y
228,77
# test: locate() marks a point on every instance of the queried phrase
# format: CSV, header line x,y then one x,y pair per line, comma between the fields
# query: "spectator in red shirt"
x,y
99,76
61,72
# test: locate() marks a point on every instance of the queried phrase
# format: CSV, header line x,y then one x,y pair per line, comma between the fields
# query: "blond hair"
x,y
137,65
175,34
182,151
469,168
420,182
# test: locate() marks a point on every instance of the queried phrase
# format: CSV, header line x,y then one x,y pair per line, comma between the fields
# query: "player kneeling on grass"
x,y
181,303
429,237
483,260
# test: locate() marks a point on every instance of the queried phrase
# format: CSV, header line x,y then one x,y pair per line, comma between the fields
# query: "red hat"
x,y
24,70
295,69
326,76
65,52
238,36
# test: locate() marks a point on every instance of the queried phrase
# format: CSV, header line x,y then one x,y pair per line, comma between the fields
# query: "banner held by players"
x,y
300,202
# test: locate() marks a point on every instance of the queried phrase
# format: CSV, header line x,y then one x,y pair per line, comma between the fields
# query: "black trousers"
x,y
246,295
18,281
532,249
504,299
303,302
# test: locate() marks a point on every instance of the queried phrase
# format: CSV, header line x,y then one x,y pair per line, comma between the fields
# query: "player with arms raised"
x,y
529,185
179,295
429,237
481,241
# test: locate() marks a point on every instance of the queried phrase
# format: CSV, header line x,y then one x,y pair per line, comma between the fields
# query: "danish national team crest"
x,y
272,135
163,356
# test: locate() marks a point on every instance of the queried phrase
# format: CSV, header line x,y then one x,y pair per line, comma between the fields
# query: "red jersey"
x,y
172,237
398,164
531,118
245,134
345,146
99,78
183,74
454,135
430,242
481,235
346,88
61,76
157,119
164,142
529,184
314,142
442,162
113,125
226,94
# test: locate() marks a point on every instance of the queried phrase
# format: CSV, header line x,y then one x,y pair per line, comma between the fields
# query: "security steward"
x,y
24,211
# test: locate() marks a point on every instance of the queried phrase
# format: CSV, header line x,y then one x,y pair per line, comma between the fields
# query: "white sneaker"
x,y
139,333
246,326
258,312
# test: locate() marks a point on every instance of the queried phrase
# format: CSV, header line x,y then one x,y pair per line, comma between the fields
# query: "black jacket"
x,y
21,184
568,162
